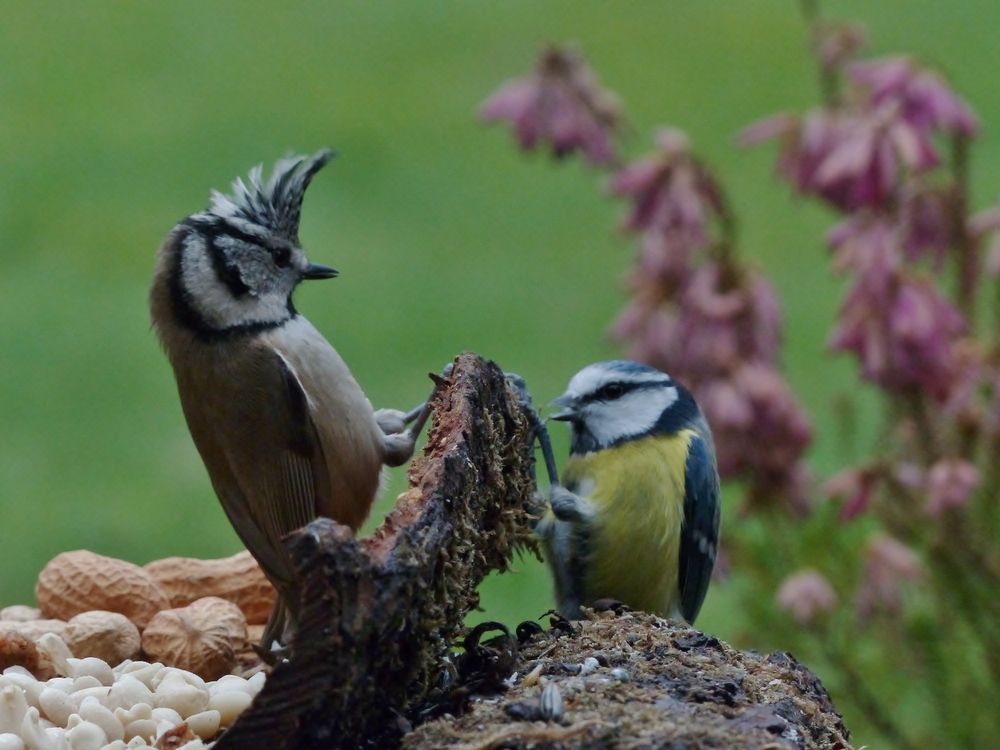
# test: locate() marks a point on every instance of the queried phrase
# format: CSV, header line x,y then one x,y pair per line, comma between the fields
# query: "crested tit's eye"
x,y
282,257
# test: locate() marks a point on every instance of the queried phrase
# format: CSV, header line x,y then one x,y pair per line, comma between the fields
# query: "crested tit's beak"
x,y
568,404
316,271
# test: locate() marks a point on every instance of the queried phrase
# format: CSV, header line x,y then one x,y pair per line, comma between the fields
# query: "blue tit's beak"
x,y
568,405
316,271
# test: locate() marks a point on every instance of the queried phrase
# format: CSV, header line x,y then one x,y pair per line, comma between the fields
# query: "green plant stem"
x,y
928,446
828,81
866,701
954,586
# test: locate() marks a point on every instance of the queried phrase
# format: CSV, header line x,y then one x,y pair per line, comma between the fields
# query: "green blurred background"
x,y
117,118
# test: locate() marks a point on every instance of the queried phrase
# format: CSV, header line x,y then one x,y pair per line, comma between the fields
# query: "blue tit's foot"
x,y
520,387
539,519
568,506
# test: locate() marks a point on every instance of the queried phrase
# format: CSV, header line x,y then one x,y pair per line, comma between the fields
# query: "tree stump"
x,y
382,615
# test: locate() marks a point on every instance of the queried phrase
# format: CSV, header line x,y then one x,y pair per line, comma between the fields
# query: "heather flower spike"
x,y
807,596
920,96
889,566
559,105
950,482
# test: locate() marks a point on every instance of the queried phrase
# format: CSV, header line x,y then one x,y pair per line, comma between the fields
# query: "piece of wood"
x,y
379,614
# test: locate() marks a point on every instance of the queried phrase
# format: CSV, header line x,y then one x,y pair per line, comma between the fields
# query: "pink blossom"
x,y
851,159
870,247
950,482
780,125
889,566
721,327
807,596
855,488
560,104
651,332
866,158
671,193
924,100
903,336
836,43
759,427
926,225
664,260
965,402
987,224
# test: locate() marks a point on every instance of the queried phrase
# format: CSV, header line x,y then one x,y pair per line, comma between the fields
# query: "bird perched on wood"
x,y
636,516
284,429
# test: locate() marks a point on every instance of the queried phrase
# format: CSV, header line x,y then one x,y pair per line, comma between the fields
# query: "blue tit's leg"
x,y
541,433
569,507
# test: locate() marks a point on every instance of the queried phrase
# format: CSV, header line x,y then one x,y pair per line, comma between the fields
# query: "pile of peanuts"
x,y
118,656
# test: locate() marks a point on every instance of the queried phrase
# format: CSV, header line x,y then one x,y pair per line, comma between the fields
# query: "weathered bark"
x,y
381,615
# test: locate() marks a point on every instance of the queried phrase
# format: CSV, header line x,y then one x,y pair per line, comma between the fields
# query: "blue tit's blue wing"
x,y
700,533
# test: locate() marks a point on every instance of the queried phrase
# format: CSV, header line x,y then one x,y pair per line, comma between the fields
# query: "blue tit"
x,y
636,516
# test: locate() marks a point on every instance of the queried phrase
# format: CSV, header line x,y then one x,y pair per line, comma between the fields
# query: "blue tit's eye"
x,y
282,257
611,391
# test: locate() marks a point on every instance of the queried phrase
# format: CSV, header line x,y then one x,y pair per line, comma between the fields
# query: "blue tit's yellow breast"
x,y
637,492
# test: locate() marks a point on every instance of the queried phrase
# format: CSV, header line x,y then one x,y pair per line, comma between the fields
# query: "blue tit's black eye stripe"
x,y
617,389
610,391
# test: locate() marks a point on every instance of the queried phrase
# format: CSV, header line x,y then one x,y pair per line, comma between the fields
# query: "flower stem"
x,y
966,249
828,84
866,700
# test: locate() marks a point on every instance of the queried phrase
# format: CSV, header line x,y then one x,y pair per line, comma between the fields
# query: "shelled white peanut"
x,y
90,705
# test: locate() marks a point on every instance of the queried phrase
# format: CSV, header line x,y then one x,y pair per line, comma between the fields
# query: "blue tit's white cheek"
x,y
634,413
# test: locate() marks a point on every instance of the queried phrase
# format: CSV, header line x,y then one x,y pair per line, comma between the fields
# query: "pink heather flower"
x,y
909,475
807,596
966,403
870,247
836,43
923,99
950,482
721,327
664,260
987,223
561,105
863,164
781,125
926,225
889,566
903,338
759,428
849,159
671,193
651,333
855,488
